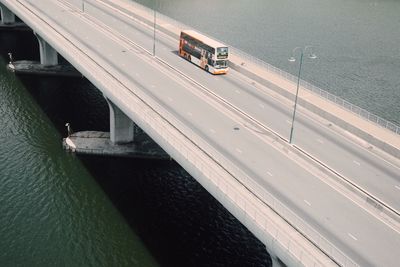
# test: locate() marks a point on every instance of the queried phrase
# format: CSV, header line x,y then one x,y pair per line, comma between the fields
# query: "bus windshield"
x,y
222,52
221,64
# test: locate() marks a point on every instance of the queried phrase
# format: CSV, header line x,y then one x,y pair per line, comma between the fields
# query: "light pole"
x,y
293,59
155,24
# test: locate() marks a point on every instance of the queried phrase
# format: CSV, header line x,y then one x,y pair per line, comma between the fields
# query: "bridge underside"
x,y
7,16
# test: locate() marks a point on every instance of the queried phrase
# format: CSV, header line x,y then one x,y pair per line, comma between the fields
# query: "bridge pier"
x,y
7,16
121,126
121,141
48,55
276,262
48,65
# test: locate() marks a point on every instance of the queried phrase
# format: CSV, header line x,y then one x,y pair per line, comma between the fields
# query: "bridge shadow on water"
x,y
176,218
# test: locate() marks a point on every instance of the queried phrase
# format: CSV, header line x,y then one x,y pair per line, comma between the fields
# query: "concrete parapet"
x,y
76,3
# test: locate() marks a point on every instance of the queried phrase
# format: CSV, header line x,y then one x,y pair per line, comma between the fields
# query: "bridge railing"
x,y
363,113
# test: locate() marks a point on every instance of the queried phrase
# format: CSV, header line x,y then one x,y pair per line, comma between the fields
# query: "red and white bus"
x,y
203,51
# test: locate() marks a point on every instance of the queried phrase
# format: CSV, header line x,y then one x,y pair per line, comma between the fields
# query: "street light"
x,y
293,59
155,24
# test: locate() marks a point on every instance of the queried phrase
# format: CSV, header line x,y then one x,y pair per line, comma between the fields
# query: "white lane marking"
x,y
288,121
270,174
307,202
238,150
152,86
212,130
357,163
398,187
237,91
352,236
261,105
320,141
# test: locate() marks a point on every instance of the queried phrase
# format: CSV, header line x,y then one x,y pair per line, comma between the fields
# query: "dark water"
x,y
357,41
57,209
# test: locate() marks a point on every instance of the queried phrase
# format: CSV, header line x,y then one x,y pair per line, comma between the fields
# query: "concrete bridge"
x,y
329,199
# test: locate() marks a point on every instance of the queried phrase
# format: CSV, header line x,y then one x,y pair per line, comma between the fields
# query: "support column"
x,y
7,17
276,262
48,55
121,126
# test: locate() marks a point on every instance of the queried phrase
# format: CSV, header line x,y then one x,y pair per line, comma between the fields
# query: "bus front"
x,y
221,62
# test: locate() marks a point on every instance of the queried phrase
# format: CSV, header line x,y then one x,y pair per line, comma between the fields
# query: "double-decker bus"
x,y
203,51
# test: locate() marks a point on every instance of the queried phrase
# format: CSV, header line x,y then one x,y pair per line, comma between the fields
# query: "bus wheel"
x,y
206,68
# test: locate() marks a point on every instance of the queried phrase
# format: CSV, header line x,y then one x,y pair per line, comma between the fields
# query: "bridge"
x,y
331,198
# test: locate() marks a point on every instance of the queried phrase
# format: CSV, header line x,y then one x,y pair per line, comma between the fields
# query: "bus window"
x,y
222,52
219,64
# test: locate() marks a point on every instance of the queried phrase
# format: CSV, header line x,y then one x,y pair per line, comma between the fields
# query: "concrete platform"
x,y
98,143
28,67
16,26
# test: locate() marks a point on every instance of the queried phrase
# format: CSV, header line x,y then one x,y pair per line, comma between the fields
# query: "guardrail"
x,y
322,93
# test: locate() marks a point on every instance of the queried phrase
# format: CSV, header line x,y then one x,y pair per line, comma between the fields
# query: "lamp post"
x,y
293,59
155,24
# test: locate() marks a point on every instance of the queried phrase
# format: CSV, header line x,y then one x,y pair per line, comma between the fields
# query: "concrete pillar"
x,y
276,262
7,17
48,55
121,126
